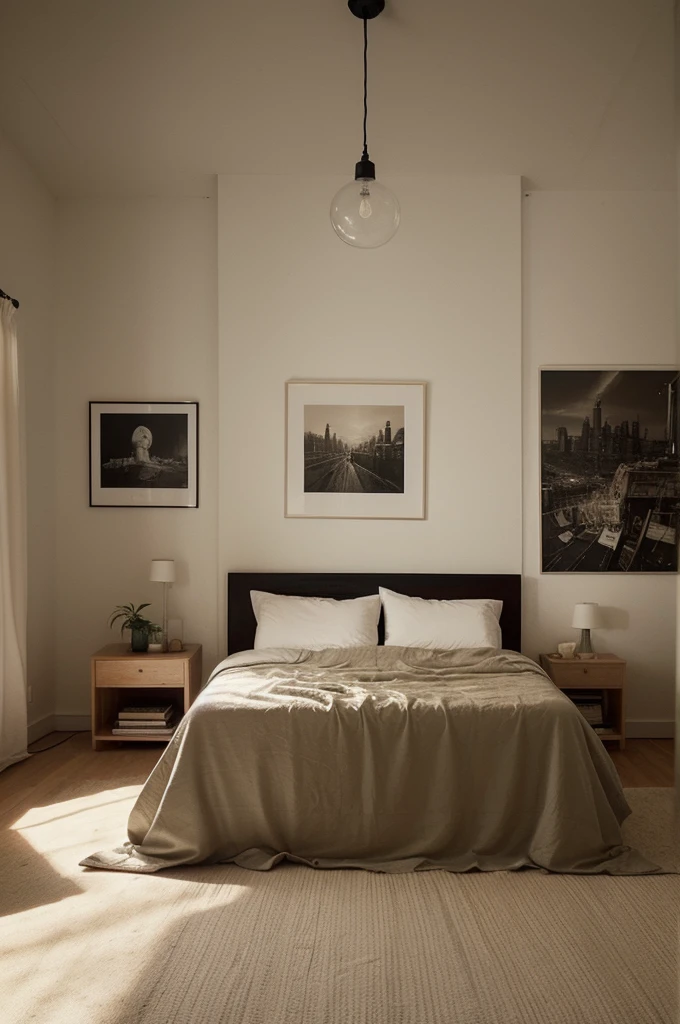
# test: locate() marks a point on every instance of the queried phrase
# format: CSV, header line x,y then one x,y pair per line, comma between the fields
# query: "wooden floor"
x,y
644,763
73,763
63,771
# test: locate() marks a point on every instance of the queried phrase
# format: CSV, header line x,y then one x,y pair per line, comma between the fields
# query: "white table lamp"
x,y
587,616
163,571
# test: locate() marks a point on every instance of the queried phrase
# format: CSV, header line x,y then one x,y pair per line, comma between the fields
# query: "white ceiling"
x,y
139,97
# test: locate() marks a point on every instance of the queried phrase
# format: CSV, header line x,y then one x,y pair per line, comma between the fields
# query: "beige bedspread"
x,y
384,758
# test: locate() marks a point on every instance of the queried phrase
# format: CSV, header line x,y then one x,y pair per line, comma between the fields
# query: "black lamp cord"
x,y
365,154
51,746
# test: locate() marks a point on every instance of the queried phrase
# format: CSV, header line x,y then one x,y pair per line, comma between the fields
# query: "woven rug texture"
x,y
223,945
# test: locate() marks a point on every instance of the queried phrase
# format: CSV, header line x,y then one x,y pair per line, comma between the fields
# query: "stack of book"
x,y
145,720
590,706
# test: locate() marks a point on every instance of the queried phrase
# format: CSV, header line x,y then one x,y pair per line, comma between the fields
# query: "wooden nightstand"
x,y
120,677
605,674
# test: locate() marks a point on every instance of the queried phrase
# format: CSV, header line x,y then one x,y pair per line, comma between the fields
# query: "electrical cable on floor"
x,y
42,750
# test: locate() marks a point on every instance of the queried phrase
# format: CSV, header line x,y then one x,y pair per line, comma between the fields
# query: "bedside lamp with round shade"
x,y
163,571
587,616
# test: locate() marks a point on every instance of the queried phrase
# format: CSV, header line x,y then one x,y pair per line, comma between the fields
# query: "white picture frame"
x,y
355,449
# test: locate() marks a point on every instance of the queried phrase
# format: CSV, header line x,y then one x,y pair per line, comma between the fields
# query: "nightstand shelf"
x,y
106,735
604,675
121,677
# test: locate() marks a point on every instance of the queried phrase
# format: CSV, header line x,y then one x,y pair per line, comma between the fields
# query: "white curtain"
x,y
12,550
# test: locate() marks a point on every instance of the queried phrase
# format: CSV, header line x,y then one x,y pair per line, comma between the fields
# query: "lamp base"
x,y
165,617
584,648
366,9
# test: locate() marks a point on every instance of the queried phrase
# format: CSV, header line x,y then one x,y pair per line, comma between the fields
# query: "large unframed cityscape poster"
x,y
609,470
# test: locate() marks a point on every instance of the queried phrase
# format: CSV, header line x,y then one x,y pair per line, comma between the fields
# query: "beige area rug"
x,y
222,945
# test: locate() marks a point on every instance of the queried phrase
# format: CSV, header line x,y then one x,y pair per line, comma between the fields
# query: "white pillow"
x,y
445,625
313,623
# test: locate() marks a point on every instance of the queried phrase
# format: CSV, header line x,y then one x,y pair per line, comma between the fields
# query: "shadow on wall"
x,y
614,618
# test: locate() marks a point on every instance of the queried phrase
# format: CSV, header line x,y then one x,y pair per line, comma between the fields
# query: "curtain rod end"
x,y
4,295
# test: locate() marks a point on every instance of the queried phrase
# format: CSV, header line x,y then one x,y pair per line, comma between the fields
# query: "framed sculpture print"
x,y
144,454
610,490
355,450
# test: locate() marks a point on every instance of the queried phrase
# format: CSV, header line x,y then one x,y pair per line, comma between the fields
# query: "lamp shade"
x,y
162,571
587,616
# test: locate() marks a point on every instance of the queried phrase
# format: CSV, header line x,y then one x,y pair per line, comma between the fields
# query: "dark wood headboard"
x,y
241,619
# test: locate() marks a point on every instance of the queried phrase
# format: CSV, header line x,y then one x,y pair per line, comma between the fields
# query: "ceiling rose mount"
x,y
365,213
366,9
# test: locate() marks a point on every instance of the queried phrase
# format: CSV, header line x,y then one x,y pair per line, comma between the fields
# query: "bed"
x,y
384,758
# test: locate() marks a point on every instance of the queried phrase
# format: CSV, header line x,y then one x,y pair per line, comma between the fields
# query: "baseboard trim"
x,y
650,729
57,723
36,730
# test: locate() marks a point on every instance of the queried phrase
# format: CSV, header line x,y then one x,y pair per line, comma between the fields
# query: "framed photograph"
x,y
355,450
144,454
610,491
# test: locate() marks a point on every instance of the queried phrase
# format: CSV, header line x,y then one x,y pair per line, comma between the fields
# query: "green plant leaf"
x,y
132,619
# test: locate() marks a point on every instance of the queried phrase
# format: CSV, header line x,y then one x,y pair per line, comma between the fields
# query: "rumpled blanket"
x,y
382,758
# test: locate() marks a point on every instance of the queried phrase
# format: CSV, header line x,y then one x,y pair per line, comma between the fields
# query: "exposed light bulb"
x,y
365,208
365,213
374,219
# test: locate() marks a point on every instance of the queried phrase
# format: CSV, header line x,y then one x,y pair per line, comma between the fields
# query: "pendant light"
x,y
365,213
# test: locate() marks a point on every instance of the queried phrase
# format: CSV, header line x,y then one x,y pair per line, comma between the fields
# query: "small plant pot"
x,y
139,641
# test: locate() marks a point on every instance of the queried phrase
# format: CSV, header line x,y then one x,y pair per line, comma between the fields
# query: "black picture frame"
x,y
126,472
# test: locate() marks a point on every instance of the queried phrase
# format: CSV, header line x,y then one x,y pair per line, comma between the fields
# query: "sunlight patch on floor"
x,y
59,831
67,808
89,948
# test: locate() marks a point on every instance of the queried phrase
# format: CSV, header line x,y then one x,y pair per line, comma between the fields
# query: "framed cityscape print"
x,y
355,450
610,489
144,454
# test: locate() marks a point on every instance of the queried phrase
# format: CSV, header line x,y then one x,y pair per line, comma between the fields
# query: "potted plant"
x,y
139,626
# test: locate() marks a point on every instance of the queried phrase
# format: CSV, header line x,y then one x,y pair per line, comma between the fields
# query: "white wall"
x,y
136,321
440,303
27,224
599,284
